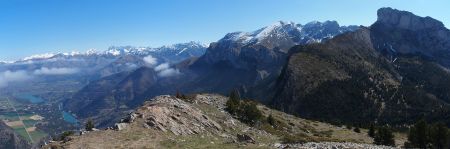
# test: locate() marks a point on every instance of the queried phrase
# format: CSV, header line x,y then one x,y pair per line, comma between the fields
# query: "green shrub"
x,y
246,111
384,136
271,120
65,134
356,129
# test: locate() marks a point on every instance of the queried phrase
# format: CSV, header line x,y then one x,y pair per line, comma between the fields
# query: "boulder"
x,y
245,138
120,126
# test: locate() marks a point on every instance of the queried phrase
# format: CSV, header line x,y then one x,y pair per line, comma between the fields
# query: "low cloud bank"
x,y
164,70
8,77
55,71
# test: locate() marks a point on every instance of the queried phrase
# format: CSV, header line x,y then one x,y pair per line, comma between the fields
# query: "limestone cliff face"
x,y
406,20
402,32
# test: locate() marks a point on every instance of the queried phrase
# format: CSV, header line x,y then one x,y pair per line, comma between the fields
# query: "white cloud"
x,y
162,66
168,72
55,71
8,77
164,70
150,60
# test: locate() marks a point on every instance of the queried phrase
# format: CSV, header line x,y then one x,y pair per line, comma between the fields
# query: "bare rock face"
x,y
403,32
406,20
167,113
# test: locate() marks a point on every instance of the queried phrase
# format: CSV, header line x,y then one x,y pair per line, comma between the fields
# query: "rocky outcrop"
x,y
120,126
401,32
406,20
170,114
245,138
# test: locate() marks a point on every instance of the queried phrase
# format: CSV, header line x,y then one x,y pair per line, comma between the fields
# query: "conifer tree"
x,y
439,136
233,103
371,131
418,135
89,125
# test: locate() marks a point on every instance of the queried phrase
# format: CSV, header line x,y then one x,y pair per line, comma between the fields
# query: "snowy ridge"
x,y
39,56
117,51
312,32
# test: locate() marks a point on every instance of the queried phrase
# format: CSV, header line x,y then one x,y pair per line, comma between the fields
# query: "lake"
x,y
30,98
69,118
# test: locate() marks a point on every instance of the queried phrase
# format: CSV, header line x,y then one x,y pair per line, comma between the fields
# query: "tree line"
x,y
420,135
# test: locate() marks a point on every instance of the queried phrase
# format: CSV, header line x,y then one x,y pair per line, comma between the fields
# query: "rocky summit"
x,y
167,113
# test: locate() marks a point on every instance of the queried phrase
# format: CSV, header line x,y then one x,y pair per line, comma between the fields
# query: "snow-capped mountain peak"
x,y
288,30
122,50
39,56
277,29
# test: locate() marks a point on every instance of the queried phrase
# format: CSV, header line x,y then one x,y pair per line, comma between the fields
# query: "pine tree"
x,y
89,125
371,131
233,103
235,95
418,136
439,136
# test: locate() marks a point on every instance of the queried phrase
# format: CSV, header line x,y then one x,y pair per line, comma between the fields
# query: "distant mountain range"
x,y
95,65
238,60
182,49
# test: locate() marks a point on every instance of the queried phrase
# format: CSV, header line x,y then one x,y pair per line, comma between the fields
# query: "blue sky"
x,y
39,26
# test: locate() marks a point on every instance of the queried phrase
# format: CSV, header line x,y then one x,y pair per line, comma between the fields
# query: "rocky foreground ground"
x,y
332,145
201,121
